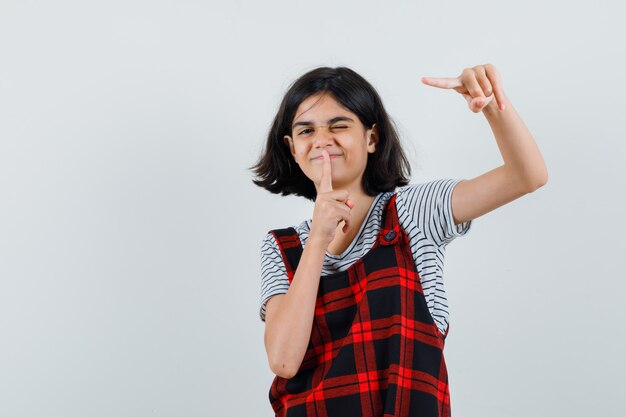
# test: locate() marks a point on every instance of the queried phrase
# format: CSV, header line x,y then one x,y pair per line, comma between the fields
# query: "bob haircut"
x,y
277,171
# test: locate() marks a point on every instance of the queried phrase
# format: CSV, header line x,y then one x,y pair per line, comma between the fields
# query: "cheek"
x,y
300,155
301,151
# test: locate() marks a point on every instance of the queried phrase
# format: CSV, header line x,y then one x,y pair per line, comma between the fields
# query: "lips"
x,y
322,156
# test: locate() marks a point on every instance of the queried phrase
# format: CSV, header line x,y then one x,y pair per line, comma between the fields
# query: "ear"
x,y
372,139
289,142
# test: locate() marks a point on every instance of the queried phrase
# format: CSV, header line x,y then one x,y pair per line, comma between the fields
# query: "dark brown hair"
x,y
386,168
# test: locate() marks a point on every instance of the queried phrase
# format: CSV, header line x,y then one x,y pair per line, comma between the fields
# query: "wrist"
x,y
316,244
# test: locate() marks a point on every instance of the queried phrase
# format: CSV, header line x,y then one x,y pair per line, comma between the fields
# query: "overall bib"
x,y
374,350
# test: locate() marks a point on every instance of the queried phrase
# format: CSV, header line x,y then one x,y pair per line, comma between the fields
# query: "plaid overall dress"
x,y
374,350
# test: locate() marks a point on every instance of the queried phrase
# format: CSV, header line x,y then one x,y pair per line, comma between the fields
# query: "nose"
x,y
323,137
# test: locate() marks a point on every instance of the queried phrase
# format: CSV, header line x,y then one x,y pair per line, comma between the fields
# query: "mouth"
x,y
321,157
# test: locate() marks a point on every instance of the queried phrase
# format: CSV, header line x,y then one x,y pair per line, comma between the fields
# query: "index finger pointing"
x,y
450,82
326,183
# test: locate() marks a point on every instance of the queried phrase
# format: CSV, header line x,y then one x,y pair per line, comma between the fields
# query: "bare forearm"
x,y
519,150
291,328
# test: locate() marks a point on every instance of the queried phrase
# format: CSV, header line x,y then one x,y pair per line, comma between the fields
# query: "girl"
x,y
353,299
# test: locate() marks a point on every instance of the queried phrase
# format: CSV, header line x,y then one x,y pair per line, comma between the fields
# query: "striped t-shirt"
x,y
425,213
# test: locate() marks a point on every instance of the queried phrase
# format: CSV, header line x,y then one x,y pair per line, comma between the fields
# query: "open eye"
x,y
304,131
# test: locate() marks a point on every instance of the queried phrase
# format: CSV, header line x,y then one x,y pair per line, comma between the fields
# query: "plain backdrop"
x,y
130,228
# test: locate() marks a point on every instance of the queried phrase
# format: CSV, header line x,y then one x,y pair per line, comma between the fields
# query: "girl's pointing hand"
x,y
478,85
331,207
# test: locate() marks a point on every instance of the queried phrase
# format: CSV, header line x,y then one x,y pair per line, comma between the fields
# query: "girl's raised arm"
x,y
524,169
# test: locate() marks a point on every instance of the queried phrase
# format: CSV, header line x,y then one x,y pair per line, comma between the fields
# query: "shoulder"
x,y
427,189
430,193
270,251
427,206
270,243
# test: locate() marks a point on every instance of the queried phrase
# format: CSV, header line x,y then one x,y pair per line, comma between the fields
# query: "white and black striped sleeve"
x,y
274,278
430,205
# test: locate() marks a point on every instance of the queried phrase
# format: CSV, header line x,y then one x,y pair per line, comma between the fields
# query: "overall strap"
x,y
390,228
290,248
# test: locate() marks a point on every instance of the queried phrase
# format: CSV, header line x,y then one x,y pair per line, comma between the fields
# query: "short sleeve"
x,y
429,207
274,278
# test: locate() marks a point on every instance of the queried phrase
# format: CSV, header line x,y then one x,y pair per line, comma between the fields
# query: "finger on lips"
x,y
326,183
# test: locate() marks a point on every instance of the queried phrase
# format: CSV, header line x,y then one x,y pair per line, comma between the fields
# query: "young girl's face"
x,y
323,123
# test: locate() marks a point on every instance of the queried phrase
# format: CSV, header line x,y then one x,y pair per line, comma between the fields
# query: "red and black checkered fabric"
x,y
374,350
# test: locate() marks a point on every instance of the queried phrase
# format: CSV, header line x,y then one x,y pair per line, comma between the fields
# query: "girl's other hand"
x,y
331,207
479,85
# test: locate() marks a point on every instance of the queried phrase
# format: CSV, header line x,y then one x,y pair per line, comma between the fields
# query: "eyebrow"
x,y
330,121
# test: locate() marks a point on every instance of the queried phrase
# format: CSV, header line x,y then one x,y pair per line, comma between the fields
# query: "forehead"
x,y
320,106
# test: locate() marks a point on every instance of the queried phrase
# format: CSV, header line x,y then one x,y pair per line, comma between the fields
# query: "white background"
x,y
130,229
